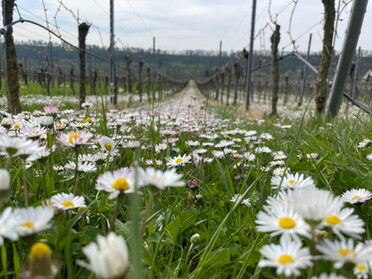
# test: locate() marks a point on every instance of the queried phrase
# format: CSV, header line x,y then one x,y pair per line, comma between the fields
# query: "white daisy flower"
x,y
218,154
345,251
8,226
192,143
263,149
236,197
356,195
33,219
156,162
108,258
284,198
73,139
179,161
87,167
17,146
41,153
201,151
344,222
33,132
362,271
292,181
249,156
65,201
314,204
266,136
280,171
279,155
108,145
288,257
116,182
365,143
281,219
312,156
160,179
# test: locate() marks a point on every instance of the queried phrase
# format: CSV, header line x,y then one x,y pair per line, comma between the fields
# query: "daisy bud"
x,y
40,257
4,185
195,238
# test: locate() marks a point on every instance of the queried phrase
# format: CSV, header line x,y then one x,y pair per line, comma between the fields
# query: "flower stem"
x,y
25,192
313,249
147,211
74,187
116,212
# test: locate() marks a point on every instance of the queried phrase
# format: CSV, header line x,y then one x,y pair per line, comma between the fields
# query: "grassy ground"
x,y
194,231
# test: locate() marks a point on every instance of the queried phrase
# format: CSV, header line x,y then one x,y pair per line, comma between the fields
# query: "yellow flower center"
x,y
68,203
120,184
282,171
73,137
28,224
333,220
361,267
346,252
288,202
355,197
17,126
39,250
292,182
33,131
285,259
287,223
157,178
108,146
179,160
89,120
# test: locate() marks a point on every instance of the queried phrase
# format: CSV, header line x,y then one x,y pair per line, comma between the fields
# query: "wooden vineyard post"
x,y
327,50
72,77
228,70
236,84
275,38
222,86
303,86
11,59
286,88
140,66
83,32
148,69
128,62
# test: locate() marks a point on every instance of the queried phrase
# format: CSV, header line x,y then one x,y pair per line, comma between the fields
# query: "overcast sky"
x,y
186,24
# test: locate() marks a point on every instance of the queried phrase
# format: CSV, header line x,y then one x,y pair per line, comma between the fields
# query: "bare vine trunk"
x,y
128,62
275,38
11,59
236,73
140,66
83,32
326,56
228,70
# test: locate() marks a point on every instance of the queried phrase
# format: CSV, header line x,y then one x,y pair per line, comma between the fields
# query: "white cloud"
x,y
185,24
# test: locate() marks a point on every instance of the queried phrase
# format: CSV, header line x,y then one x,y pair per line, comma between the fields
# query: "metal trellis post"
x,y
344,63
250,57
